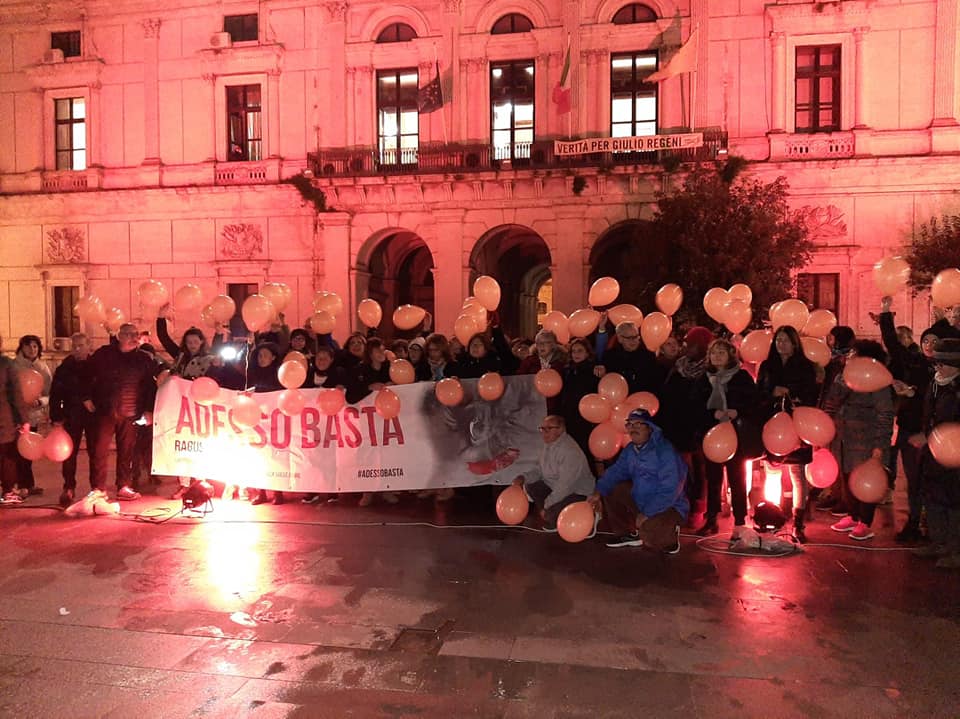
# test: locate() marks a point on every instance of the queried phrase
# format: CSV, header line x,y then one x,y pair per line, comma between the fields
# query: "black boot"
x,y
798,519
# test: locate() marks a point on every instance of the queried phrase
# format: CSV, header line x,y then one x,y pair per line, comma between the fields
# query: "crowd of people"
x,y
661,479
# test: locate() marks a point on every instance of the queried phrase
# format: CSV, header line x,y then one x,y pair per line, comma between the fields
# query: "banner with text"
x,y
427,445
643,143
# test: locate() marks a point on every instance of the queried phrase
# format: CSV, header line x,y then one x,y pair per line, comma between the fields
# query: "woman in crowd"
x,y
668,353
302,342
437,359
324,371
864,422
478,359
353,351
28,354
13,418
726,393
786,378
579,380
400,349
262,377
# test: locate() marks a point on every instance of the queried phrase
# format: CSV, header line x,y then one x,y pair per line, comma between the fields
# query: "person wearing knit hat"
x,y
701,337
946,352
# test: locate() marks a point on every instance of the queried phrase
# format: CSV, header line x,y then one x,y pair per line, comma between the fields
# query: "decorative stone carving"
x,y
824,224
66,245
151,27
336,11
241,241
452,5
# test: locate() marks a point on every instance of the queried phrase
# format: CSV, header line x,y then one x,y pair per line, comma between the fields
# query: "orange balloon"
x,y
720,443
865,374
113,318
188,297
604,441
779,435
390,355
291,402
332,400
490,387
57,446
814,426
618,415
322,322
30,446
557,323
449,392
370,312
790,312
823,470
548,382
625,313
756,345
655,330
869,481
406,317
603,292
512,505
737,315
257,312
644,400
153,294
89,309
816,350
465,327
575,522
945,289
891,275
292,374
401,372
294,356
222,308
278,293
387,403
487,291
31,384
944,443
715,303
613,387
206,317
204,390
669,298
595,408
740,292
582,322
327,301
246,411
820,323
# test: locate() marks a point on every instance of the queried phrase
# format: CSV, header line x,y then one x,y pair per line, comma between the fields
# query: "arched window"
x,y
398,32
635,12
514,22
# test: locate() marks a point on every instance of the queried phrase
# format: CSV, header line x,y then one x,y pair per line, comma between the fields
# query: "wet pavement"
x,y
336,611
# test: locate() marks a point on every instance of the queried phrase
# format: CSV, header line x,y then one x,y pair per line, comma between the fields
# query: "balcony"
x,y
443,158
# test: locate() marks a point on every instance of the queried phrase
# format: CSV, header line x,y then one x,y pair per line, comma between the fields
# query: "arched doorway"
x,y
628,253
397,270
519,259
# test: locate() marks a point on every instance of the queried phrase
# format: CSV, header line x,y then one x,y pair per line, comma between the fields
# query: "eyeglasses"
x,y
545,428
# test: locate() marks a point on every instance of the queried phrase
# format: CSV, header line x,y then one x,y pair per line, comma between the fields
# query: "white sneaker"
x,y
127,494
12,497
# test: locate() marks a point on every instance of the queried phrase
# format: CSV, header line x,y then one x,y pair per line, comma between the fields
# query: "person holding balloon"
x,y
727,393
642,492
13,420
864,426
632,359
352,353
28,357
437,359
67,410
579,380
478,359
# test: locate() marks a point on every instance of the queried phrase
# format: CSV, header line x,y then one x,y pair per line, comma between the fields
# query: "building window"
x,y
71,133
244,129
398,118
67,42
633,102
511,107
242,28
65,319
514,22
634,13
818,88
398,32
820,290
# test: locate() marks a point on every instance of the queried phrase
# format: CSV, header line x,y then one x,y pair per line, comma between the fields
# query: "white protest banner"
x,y
427,445
643,143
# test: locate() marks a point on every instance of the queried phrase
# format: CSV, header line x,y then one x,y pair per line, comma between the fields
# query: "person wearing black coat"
x,y
633,360
478,359
579,380
787,378
727,393
324,372
262,377
66,408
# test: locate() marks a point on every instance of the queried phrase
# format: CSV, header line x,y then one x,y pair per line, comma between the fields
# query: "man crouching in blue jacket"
x,y
643,491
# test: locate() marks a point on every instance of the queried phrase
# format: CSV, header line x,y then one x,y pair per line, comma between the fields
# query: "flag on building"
x,y
684,60
430,96
561,91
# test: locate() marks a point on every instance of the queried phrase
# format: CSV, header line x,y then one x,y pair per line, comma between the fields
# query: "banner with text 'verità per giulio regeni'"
x,y
356,450
640,143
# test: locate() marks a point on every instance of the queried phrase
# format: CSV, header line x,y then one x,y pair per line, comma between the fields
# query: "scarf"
x,y
689,369
718,384
436,369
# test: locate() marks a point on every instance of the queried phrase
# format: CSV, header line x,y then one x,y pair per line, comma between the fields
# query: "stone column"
x,y
273,113
350,129
364,107
426,70
95,151
778,85
945,64
451,271
209,91
333,83
333,229
860,79
452,119
151,91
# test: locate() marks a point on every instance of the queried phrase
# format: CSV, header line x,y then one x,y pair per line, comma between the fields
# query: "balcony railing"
x,y
464,158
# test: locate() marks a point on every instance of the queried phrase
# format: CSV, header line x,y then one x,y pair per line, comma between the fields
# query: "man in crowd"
x,y
562,475
121,391
70,384
632,359
643,493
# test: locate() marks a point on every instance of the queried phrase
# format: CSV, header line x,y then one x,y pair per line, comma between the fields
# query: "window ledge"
x,y
70,180
242,57
76,72
812,146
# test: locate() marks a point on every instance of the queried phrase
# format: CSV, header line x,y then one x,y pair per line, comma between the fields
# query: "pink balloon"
x,y
740,292
789,312
720,443
945,289
604,441
603,292
31,384
401,372
322,322
292,374
188,297
257,312
204,390
246,411
512,505
153,294
465,327
582,322
944,443
370,312
756,345
332,400
820,323
779,435
557,323
644,400
548,382
387,403
90,309
625,313
669,298
278,293
113,318
57,446
655,329
865,374
487,291
891,275
594,408
328,302
30,446
406,317
490,387
815,350
869,482
449,392
737,315
291,402
294,356
613,387
715,303
222,308
575,522
814,426
823,470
